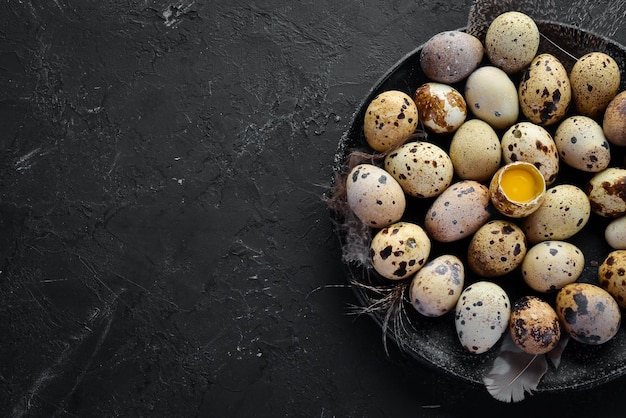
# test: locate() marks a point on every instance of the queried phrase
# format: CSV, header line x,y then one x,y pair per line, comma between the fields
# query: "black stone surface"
x,y
164,247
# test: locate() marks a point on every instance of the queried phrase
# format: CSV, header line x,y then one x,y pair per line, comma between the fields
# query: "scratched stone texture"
x,y
164,246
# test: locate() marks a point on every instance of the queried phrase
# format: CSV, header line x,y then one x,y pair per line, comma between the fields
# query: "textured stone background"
x,y
163,240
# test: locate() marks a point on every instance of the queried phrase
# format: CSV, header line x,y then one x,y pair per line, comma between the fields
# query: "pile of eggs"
x,y
502,160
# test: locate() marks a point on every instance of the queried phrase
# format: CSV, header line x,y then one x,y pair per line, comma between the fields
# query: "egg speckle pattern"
x,y
612,276
497,248
390,118
436,287
581,144
481,316
588,313
374,196
441,108
511,41
458,212
531,143
564,212
534,325
399,250
550,265
607,192
450,56
595,80
544,91
422,169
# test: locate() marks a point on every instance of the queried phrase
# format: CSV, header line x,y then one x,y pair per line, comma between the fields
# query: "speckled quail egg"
x,y
389,120
442,109
496,248
399,250
475,151
607,192
565,211
550,265
588,313
374,196
423,169
612,276
544,90
615,233
450,56
436,287
512,41
614,121
581,144
481,316
529,142
517,189
595,80
534,325
491,96
458,212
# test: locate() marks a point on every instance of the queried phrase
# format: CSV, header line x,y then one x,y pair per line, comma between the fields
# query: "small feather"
x,y
514,372
555,354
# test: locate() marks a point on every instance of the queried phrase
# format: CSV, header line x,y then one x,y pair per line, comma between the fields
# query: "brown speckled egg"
x,y
374,196
595,80
534,325
497,248
612,276
475,151
607,192
491,96
436,287
422,169
512,41
564,212
615,233
614,121
450,56
481,316
588,313
581,144
390,119
531,143
544,91
550,265
458,212
399,250
442,109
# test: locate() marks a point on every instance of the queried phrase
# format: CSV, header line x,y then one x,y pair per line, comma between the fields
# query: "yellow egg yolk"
x,y
520,184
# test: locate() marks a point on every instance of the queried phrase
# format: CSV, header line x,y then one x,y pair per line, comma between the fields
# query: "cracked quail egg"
x,y
517,189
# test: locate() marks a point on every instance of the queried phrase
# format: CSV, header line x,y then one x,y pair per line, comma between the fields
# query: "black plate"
x,y
434,341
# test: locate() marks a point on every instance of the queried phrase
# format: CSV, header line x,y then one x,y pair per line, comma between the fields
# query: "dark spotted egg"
x,y
450,56
399,250
588,313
